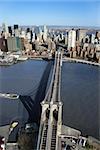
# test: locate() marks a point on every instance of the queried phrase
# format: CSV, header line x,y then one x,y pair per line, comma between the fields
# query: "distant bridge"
x,y
51,116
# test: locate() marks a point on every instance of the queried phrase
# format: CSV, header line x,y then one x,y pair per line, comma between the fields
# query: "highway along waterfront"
x,y
79,93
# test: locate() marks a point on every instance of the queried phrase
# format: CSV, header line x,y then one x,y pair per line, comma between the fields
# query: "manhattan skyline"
x,y
73,13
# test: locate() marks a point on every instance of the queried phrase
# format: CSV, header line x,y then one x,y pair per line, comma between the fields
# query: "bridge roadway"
x,y
51,116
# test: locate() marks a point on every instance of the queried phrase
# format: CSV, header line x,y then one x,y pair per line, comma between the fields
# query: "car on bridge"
x,y
31,127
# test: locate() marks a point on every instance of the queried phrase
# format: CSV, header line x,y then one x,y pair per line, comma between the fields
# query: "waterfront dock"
x,y
21,58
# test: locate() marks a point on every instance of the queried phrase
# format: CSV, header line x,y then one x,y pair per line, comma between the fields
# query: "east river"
x,y
80,93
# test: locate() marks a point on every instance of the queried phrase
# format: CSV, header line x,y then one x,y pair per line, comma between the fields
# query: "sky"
x,y
57,12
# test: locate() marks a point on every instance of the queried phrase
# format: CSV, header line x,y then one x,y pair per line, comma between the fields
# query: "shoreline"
x,y
80,61
8,64
63,60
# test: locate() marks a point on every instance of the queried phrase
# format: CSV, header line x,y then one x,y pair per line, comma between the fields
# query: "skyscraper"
x,y
15,26
4,27
82,34
37,32
10,30
28,36
3,44
14,44
66,39
44,33
16,31
71,39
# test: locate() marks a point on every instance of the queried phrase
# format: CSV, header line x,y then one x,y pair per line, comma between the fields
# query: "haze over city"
x,y
71,13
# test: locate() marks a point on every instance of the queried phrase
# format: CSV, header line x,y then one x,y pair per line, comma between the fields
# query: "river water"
x,y
80,89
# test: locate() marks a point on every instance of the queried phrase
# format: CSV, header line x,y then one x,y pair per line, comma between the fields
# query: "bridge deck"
x,y
49,119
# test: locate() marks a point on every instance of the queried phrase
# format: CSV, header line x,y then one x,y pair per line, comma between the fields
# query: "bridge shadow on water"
x,y
33,106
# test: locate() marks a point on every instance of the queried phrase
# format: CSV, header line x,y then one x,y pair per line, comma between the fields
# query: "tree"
x,y
25,142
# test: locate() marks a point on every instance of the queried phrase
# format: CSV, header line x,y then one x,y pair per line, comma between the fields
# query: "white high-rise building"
x,y
33,39
93,38
71,39
62,36
66,39
45,33
39,35
17,34
23,34
28,36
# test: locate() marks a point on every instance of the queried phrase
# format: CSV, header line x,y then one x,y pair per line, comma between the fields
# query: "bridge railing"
x,y
50,89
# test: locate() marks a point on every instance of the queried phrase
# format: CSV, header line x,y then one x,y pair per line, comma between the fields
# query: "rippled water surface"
x,y
79,93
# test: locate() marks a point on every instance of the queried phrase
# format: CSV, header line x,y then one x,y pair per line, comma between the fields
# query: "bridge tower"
x,y
51,116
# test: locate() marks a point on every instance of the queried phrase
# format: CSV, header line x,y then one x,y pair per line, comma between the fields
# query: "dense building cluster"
x,y
80,43
17,38
40,40
84,44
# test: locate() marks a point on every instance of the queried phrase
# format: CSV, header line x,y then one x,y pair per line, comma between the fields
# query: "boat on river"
x,y
9,95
